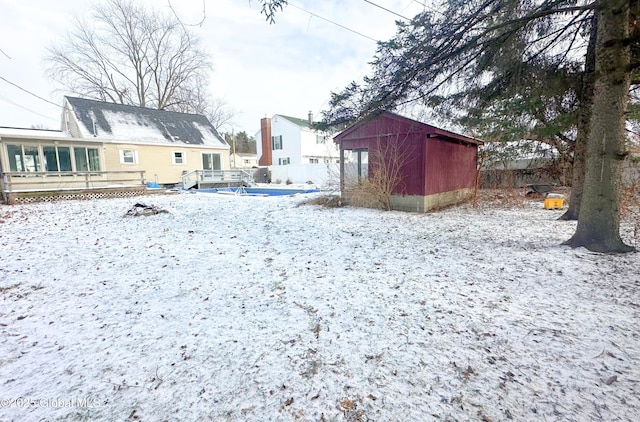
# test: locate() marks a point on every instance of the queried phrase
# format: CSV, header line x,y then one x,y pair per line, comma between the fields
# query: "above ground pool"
x,y
258,191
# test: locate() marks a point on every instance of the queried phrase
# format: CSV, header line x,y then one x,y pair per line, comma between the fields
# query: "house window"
x,y
128,156
87,159
16,158
321,139
57,158
31,158
276,142
52,158
313,161
211,161
24,158
284,161
179,157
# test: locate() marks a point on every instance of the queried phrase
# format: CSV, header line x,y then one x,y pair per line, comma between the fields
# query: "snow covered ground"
x,y
255,308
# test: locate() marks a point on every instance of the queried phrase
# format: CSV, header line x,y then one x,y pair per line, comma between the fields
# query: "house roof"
x,y
413,125
300,122
139,124
32,133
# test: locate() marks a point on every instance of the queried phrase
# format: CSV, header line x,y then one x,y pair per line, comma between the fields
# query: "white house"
x,y
289,140
296,152
243,160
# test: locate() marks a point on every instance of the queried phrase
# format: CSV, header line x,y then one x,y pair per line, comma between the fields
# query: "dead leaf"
x,y
348,404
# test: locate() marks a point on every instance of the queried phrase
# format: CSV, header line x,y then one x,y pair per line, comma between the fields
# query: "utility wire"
x,y
204,15
29,92
26,108
387,10
332,22
428,7
2,51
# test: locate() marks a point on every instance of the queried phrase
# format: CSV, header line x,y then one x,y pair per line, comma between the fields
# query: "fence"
x,y
319,174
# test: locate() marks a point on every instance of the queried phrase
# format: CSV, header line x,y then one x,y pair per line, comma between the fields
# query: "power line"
x,y
204,15
29,92
387,10
332,22
26,108
428,7
2,51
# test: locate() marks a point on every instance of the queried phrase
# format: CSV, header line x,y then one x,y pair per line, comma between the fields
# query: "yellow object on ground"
x,y
553,203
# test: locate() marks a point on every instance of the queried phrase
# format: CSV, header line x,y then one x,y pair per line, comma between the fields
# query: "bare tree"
x,y
195,98
386,165
128,54
219,113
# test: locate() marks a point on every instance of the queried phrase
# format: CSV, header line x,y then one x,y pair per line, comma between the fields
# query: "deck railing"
x,y
196,177
30,181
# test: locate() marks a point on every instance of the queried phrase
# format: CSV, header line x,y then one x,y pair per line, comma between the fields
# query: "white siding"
x,y
299,144
290,133
312,149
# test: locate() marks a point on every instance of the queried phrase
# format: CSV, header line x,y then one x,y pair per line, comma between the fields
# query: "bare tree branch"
x,y
131,55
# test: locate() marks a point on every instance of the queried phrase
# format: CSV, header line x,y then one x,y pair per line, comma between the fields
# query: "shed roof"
x,y
139,124
414,126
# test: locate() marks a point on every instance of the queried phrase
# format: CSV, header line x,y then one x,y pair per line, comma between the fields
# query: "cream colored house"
x,y
107,147
244,160
163,144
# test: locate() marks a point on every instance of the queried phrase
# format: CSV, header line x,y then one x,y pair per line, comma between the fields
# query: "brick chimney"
x,y
310,118
265,129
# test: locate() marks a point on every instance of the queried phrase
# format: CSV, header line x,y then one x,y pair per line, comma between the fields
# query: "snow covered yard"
x,y
253,308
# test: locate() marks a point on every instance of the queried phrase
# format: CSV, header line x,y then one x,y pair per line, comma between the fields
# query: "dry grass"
x,y
366,193
492,198
327,201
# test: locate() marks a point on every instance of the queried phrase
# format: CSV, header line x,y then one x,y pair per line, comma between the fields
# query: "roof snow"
x,y
139,124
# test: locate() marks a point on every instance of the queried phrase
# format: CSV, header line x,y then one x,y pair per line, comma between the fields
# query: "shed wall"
x,y
450,166
439,166
409,150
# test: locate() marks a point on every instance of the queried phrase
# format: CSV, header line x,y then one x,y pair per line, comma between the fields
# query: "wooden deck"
x,y
25,187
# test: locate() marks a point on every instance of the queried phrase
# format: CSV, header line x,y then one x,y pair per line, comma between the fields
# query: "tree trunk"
x,y
599,222
583,127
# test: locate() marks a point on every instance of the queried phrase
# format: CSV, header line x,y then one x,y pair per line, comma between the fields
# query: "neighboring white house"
x,y
295,152
289,140
243,160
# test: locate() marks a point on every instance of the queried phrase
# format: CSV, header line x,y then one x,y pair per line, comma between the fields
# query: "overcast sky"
x,y
260,69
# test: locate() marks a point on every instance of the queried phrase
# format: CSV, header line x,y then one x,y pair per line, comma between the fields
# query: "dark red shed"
x,y
423,167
